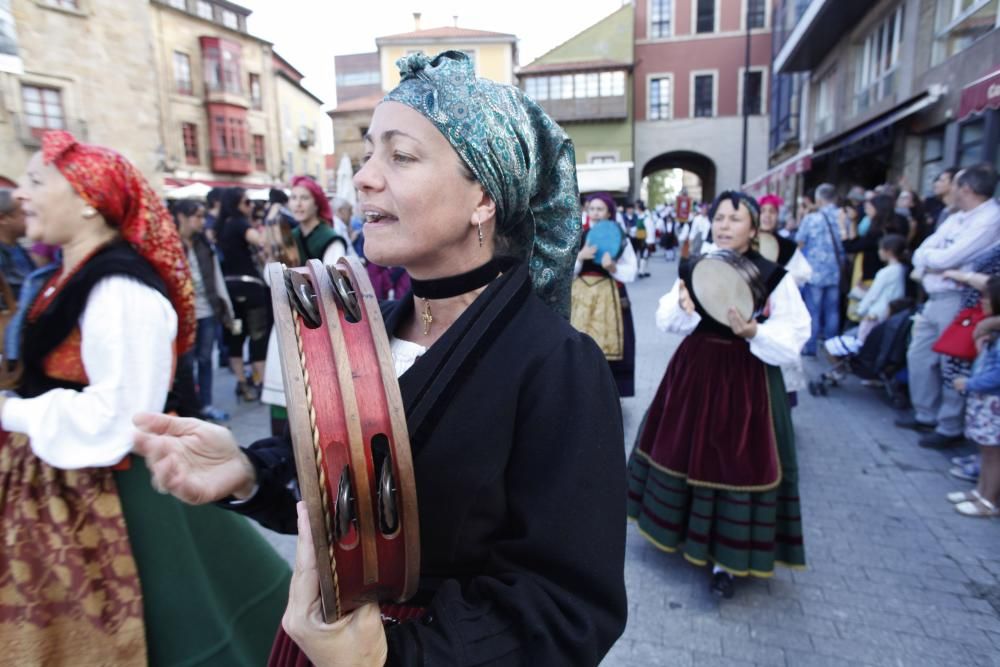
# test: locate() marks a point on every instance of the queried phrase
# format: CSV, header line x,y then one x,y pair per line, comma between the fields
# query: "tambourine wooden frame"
x,y
341,392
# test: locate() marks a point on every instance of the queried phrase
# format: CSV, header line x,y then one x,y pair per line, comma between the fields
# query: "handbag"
x,y
956,340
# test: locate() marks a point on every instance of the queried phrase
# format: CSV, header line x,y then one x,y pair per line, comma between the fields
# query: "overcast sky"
x,y
309,33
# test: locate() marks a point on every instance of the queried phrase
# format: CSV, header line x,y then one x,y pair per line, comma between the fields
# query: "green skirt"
x,y
213,590
744,533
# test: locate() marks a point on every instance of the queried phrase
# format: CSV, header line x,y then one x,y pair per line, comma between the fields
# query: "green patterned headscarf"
x,y
518,154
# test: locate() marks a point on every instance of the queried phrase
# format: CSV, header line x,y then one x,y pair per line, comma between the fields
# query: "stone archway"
x,y
696,163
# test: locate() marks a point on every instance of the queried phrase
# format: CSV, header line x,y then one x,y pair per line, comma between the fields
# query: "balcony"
x,y
226,162
587,109
809,38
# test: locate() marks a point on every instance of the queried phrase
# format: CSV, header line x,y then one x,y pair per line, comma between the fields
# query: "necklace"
x,y
444,288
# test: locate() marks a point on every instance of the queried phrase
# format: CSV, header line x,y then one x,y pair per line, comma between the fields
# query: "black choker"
x,y
444,288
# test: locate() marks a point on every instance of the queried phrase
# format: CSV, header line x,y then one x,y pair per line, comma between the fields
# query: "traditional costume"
x,y
713,472
96,567
511,573
601,308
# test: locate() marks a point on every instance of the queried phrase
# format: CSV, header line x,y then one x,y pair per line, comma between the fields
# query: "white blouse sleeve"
x,y
627,266
779,340
670,317
333,252
799,267
127,331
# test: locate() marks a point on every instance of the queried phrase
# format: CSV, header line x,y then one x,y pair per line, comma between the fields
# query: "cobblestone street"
x,y
895,576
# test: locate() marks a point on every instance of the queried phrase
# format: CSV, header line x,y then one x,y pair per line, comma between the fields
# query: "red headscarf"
x,y
322,204
113,186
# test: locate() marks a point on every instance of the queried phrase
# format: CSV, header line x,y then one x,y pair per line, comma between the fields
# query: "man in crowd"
x,y
972,230
15,262
942,203
213,204
819,239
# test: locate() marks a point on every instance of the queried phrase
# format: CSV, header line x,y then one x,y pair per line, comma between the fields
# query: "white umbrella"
x,y
189,191
345,181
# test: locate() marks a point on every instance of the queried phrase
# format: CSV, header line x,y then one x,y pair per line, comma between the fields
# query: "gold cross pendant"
x,y
427,317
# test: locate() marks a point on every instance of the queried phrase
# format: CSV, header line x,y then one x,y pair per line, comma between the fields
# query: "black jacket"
x,y
516,433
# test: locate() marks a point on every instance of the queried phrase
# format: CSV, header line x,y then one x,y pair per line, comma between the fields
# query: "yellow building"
x,y
494,55
299,116
78,68
217,95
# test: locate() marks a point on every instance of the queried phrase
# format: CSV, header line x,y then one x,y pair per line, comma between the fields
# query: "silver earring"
x,y
89,211
479,229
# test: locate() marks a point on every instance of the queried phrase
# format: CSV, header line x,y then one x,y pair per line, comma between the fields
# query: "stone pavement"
x,y
895,575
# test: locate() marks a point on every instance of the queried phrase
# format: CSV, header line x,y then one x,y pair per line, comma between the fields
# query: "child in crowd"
x,y
982,413
889,284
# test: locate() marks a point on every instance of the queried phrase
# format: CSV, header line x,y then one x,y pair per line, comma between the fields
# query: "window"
x,y
660,18
182,73
756,13
256,100
824,105
65,4
970,143
753,92
579,85
43,109
602,157
178,4
205,9
659,98
372,78
704,95
537,88
230,20
593,85
705,16
222,66
189,132
877,60
959,23
931,161
259,156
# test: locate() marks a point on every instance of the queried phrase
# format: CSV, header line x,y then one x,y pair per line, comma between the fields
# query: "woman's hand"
x,y
587,252
608,264
959,383
195,461
684,298
742,329
356,640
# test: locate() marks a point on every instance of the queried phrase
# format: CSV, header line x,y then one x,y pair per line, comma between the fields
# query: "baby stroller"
x,y
880,358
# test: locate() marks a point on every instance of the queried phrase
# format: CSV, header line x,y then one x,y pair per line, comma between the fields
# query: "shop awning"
x,y
797,164
883,122
604,176
980,95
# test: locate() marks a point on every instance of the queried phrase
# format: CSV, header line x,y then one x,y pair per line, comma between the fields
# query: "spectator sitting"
x,y
968,233
820,242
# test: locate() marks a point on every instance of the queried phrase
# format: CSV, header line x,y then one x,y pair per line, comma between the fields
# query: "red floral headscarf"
x,y
322,204
113,186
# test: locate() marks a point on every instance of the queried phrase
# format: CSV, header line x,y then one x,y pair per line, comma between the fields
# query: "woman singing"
x,y
471,187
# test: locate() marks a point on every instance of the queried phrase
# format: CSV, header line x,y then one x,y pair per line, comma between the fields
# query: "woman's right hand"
x,y
684,298
193,460
588,252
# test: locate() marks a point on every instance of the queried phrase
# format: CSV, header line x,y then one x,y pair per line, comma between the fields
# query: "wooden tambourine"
x,y
723,279
348,428
768,247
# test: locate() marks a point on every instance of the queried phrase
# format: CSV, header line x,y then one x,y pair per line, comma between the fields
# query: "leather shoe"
x,y
722,585
911,423
938,441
